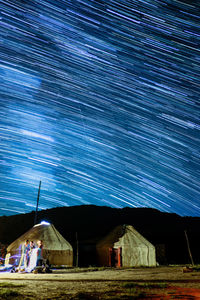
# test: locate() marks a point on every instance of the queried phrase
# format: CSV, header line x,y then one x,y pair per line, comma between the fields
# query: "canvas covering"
x,y
136,250
56,249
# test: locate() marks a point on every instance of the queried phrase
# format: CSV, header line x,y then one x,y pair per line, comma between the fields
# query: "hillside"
x,y
90,223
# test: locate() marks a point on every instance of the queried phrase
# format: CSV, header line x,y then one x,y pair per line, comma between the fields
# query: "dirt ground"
x,y
85,284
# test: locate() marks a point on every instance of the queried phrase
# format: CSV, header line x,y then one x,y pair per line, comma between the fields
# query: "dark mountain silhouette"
x,y
90,223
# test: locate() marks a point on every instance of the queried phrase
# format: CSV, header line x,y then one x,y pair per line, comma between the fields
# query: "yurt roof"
x,y
46,232
133,237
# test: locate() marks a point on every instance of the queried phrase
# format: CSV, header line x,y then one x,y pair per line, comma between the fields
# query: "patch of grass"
x,y
89,269
81,270
131,285
196,268
9,285
128,297
159,285
7,293
103,268
134,291
139,295
140,290
120,296
84,296
7,290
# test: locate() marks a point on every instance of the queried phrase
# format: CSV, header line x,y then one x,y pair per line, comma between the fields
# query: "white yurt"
x,y
125,246
56,249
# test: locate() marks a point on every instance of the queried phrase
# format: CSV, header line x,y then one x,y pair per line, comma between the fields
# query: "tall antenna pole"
x,y
38,197
188,245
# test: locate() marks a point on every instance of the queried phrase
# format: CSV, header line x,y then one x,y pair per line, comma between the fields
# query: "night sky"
x,y
100,101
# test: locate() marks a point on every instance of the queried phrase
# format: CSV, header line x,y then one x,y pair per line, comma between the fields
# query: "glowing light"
x,y
44,223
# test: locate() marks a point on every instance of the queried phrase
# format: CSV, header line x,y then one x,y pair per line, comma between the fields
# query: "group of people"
x,y
30,259
31,256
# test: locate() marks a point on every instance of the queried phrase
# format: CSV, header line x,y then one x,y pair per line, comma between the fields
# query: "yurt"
x,y
126,247
56,249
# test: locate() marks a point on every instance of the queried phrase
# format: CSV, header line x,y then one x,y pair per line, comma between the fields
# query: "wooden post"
x,y
38,197
188,246
77,250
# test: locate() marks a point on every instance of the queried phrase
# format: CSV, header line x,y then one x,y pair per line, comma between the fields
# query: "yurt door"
x,y
115,257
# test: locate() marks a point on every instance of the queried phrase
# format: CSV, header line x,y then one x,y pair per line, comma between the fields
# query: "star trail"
x,y
100,101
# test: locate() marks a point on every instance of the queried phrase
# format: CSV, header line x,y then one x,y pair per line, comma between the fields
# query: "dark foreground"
x,y
96,284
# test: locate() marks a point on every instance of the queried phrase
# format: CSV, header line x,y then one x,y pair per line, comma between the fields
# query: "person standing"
x,y
39,253
24,255
31,247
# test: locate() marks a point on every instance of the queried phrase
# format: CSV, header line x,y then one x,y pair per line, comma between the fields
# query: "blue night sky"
x,y
100,101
